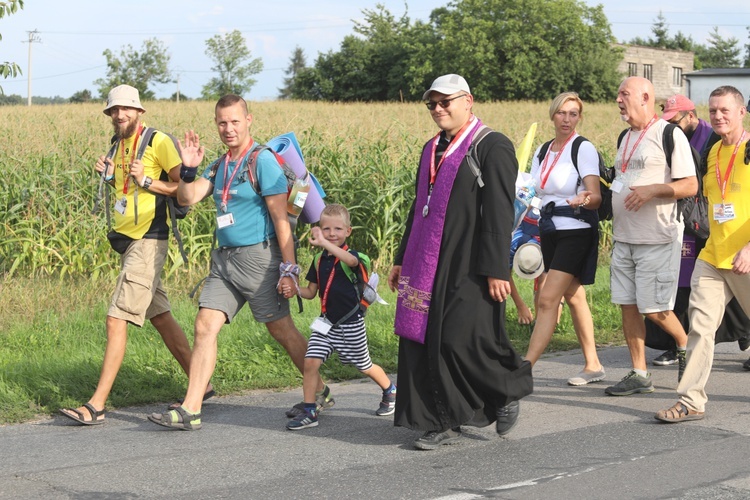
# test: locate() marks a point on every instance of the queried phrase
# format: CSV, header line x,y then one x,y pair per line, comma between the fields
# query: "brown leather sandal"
x,y
678,413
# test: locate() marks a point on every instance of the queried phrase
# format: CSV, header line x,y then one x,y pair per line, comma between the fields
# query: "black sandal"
x,y
79,415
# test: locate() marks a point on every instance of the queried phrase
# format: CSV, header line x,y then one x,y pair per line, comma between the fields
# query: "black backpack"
x,y
606,175
693,210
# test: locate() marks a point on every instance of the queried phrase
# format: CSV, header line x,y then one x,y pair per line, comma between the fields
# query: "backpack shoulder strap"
x,y
667,142
252,164
471,156
145,141
575,147
543,150
621,136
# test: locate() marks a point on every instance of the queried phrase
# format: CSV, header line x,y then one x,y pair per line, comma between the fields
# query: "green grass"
x,y
53,340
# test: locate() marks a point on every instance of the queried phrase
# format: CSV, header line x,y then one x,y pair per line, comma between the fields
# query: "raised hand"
x,y
191,153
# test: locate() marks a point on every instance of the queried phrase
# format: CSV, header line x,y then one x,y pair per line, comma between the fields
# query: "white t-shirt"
x,y
655,222
562,183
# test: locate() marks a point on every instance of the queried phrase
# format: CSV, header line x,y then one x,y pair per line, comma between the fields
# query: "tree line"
x,y
507,49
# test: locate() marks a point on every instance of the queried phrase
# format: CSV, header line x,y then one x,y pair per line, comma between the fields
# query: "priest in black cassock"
x,y
456,365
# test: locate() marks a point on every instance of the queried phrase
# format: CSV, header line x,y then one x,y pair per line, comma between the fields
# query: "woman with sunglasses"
x,y
566,170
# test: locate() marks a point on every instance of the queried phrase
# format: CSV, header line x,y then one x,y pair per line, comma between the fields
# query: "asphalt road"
x,y
569,443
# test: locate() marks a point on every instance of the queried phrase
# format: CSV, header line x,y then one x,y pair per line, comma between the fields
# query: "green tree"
x,y
720,52
229,53
136,68
528,49
81,96
297,63
747,49
9,69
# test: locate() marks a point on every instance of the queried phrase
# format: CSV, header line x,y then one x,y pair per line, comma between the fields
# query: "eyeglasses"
x,y
677,122
431,105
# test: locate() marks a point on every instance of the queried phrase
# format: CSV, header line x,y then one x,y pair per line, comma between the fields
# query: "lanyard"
x,y
225,188
554,162
723,184
451,147
635,146
126,180
324,298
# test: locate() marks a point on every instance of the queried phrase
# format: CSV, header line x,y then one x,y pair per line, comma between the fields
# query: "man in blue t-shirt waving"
x,y
255,246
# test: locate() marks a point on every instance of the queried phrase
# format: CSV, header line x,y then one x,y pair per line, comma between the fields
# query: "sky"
x,y
70,37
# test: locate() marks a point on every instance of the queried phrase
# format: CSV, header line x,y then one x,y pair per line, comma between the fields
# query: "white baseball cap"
x,y
447,84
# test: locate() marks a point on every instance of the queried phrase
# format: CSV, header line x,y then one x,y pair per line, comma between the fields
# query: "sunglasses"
x,y
431,105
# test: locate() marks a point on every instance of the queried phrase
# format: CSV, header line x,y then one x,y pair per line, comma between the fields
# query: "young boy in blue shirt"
x,y
341,325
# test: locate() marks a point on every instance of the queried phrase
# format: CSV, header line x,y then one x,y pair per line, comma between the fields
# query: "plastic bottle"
x,y
298,196
524,195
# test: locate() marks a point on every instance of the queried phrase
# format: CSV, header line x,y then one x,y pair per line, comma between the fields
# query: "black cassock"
x,y
467,367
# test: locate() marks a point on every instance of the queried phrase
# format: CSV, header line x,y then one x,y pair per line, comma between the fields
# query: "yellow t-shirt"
x,y
160,156
727,238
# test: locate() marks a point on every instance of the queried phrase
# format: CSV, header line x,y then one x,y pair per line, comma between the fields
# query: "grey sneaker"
x,y
431,440
631,384
323,399
387,404
681,363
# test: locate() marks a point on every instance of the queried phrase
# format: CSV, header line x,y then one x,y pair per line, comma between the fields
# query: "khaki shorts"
x,y
645,275
245,274
138,292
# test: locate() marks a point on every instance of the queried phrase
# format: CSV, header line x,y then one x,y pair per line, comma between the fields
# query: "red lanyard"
x,y
635,146
126,180
456,139
723,184
225,188
324,298
554,162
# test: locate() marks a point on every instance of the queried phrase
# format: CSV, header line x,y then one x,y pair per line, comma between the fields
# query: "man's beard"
x,y
126,131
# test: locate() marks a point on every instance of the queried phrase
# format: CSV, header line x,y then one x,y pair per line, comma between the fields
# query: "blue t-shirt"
x,y
252,222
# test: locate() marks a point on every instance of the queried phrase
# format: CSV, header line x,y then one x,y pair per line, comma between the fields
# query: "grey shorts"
x,y
245,274
138,292
645,275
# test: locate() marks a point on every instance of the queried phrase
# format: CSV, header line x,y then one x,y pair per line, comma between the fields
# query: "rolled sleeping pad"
x,y
287,147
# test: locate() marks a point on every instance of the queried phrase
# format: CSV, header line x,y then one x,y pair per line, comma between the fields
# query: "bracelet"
x,y
289,270
147,182
109,178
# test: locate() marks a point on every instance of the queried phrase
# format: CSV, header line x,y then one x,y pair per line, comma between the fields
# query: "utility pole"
x,y
178,87
33,37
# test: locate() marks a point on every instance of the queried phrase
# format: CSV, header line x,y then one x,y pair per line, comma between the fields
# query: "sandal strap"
x,y
95,414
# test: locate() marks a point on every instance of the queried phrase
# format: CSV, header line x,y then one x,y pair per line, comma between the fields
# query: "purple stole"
x,y
423,248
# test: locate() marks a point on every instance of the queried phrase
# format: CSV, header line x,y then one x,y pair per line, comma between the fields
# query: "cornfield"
x,y
365,156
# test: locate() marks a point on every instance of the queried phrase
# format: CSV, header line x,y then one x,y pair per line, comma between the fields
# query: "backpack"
x,y
606,175
359,277
692,210
296,198
471,154
176,211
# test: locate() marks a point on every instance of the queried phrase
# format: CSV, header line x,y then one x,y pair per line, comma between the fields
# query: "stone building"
x,y
665,68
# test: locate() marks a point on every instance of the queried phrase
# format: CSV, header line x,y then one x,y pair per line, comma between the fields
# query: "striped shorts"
x,y
348,340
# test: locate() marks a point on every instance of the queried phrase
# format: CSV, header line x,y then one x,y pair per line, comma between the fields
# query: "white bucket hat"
x,y
528,262
123,95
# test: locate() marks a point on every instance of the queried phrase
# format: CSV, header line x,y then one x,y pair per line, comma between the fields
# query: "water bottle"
x,y
524,196
298,196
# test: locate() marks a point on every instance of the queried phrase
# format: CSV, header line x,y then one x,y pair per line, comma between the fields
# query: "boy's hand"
x,y
316,237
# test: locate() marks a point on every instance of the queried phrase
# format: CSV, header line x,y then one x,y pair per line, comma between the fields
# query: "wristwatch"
x,y
147,182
